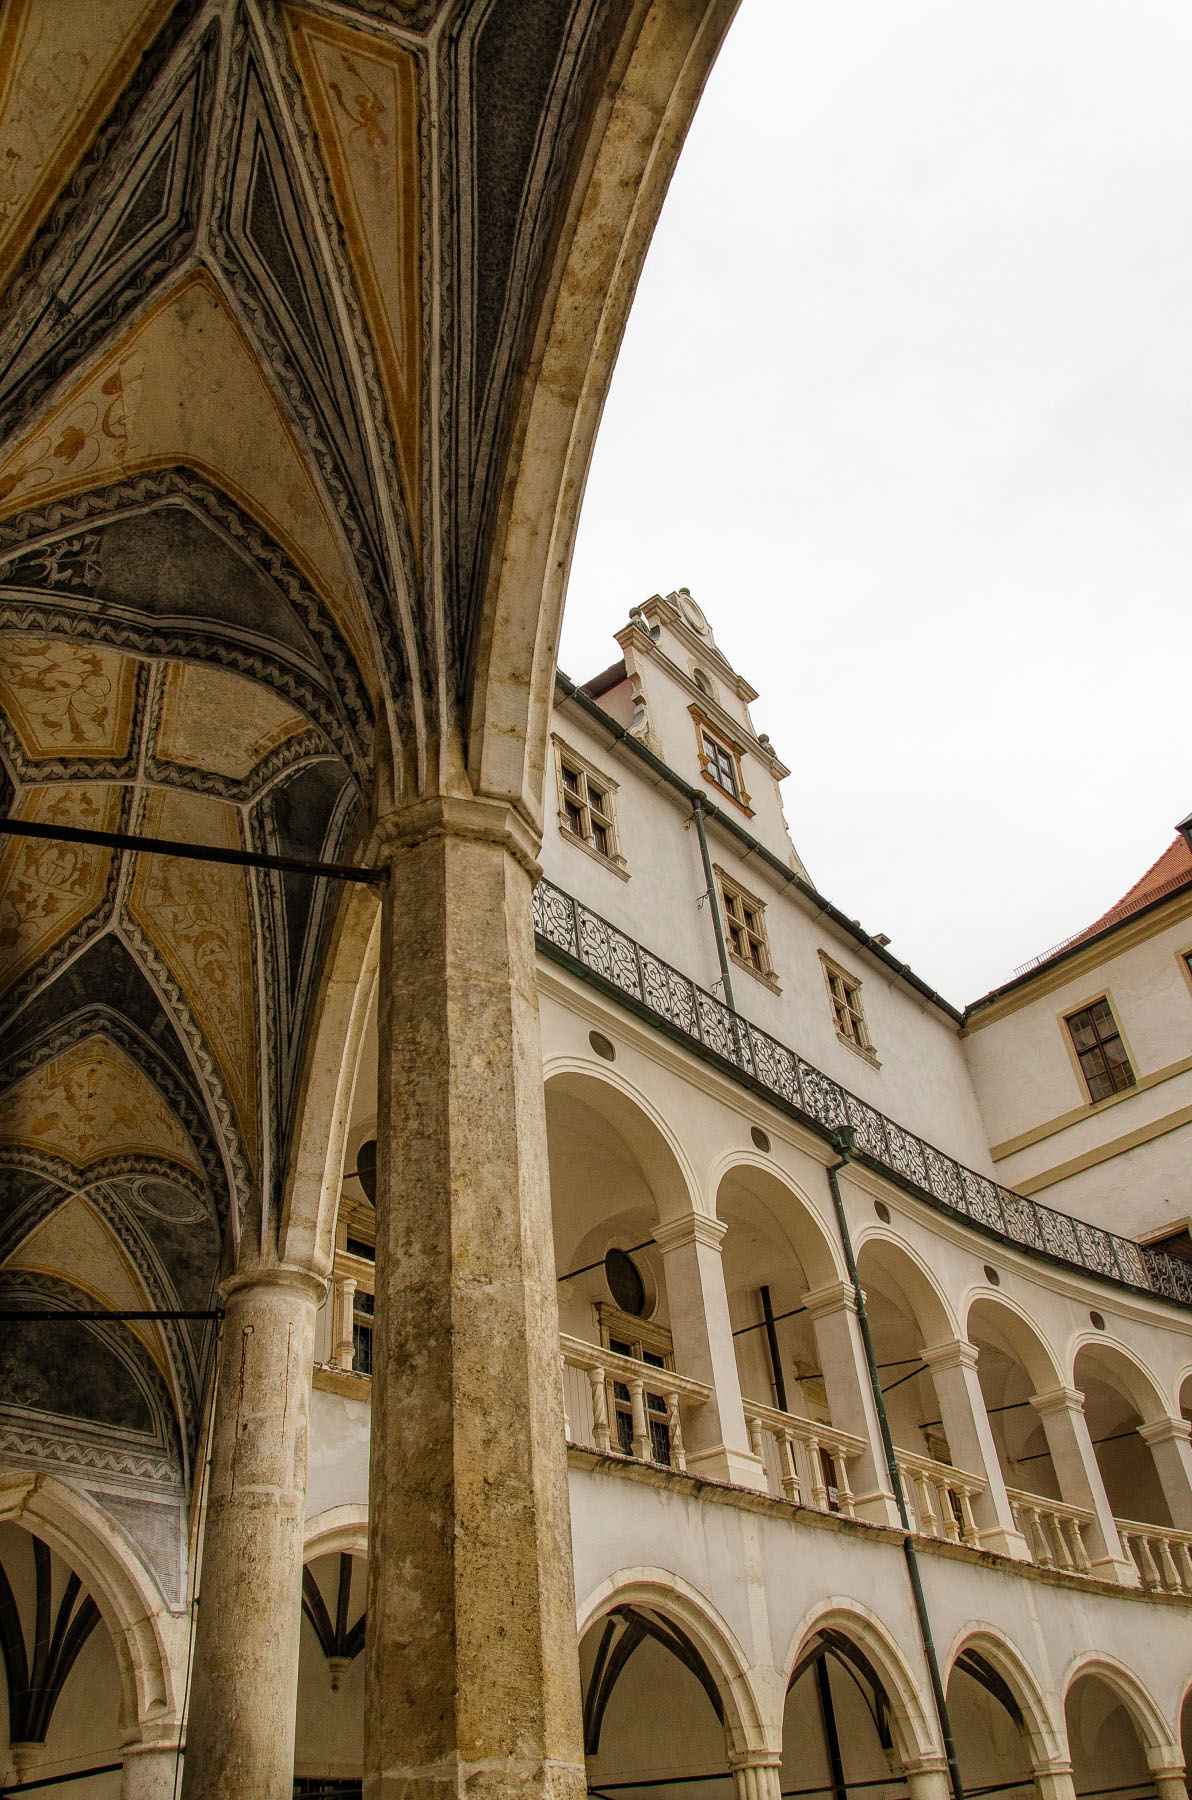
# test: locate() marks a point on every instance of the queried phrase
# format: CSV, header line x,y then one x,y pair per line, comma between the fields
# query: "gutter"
x,y
697,797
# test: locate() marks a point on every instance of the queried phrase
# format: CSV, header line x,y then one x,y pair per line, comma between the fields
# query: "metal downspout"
x,y
843,1142
697,813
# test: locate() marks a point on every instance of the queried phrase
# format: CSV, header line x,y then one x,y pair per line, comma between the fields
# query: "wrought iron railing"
x,y
565,925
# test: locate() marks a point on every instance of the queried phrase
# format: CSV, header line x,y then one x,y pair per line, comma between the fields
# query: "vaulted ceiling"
x,y
269,278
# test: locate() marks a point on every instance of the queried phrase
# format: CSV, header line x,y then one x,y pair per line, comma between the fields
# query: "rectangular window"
x,y
745,927
720,758
848,1013
720,765
1100,1050
587,809
362,1332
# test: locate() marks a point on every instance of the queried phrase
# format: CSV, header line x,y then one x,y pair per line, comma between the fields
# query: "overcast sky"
x,y
906,401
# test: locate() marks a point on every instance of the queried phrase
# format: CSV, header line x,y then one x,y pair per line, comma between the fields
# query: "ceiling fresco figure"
x,y
307,313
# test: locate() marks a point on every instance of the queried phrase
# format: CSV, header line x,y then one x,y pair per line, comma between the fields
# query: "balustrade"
x,y
1162,1555
939,1498
804,1460
1054,1533
624,1407
570,931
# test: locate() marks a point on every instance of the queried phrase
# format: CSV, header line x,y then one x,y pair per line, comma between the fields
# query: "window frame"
x,y
1076,1054
729,889
605,813
862,1045
734,751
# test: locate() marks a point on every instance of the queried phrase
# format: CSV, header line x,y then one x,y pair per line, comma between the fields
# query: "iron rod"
x,y
151,846
772,1345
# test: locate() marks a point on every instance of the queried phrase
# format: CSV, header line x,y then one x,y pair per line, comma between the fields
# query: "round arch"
x,y
793,1214
1153,1729
149,1640
747,1727
638,1123
1022,1337
912,1726
1046,1739
1131,1374
338,1530
932,1310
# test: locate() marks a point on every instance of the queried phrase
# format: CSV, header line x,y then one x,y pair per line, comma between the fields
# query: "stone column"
x,y
240,1729
1171,1447
833,1313
757,1775
966,1426
715,1436
1062,1412
150,1770
471,1660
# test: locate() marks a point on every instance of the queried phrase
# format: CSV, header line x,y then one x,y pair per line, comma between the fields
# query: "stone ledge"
x,y
342,1381
720,1493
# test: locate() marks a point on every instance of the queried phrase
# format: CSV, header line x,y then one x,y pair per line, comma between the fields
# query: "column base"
x,y
502,1779
1117,1569
737,1467
1000,1542
877,1508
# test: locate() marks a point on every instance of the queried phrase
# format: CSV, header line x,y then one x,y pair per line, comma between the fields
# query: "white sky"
x,y
906,401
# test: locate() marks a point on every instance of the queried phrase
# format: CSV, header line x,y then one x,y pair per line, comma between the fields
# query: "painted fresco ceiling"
x,y
268,278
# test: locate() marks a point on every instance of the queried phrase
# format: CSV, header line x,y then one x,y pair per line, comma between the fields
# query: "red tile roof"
x,y
1173,870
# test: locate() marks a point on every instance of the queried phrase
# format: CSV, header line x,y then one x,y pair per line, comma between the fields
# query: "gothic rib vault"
x,y
306,315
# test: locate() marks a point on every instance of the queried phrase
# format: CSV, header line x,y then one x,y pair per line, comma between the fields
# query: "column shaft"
x,y
715,1436
149,1771
966,1426
1075,1463
472,1668
833,1312
240,1730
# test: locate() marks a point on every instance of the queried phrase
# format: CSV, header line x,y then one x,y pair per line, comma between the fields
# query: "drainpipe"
x,y
843,1143
697,813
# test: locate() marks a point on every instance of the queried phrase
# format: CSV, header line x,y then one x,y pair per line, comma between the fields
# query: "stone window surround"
x,y
863,1046
730,887
727,741
588,771
1063,1020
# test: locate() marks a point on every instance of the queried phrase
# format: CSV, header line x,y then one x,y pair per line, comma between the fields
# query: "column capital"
x,y
275,1275
951,1353
1057,1400
691,1228
831,1297
473,816
1166,1431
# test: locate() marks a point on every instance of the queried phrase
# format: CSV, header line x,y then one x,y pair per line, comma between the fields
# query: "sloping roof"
x,y
1172,871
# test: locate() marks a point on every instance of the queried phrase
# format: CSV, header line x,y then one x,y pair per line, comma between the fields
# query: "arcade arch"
x,y
1000,1723
1014,1363
1116,1734
1119,1399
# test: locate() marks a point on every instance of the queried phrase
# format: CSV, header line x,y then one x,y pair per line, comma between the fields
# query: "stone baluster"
x,y
757,1437
344,1352
674,1420
718,1439
819,1487
844,1491
642,1447
968,1522
240,1730
598,1382
1075,1463
793,1484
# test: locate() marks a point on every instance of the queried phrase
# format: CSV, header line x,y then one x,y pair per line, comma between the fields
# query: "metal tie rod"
x,y
242,859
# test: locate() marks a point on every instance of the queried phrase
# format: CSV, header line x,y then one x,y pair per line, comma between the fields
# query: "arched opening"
x,y
1107,1749
838,1731
774,1252
62,1689
329,1742
1186,1732
666,1722
612,1175
907,1316
1118,1399
988,1728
